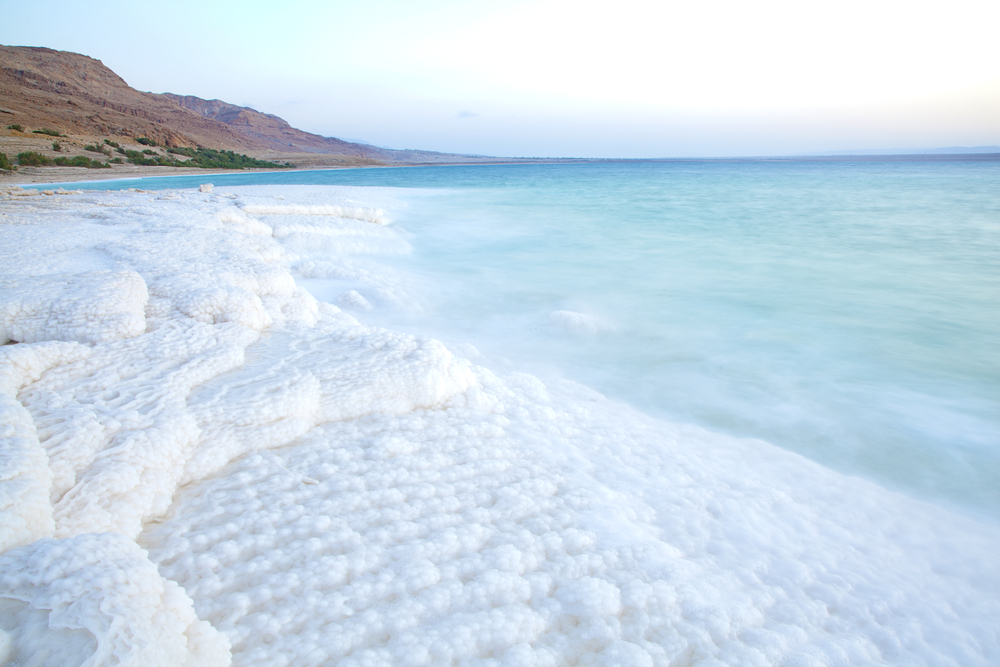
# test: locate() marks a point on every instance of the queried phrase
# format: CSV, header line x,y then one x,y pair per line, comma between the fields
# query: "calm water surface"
x,y
849,311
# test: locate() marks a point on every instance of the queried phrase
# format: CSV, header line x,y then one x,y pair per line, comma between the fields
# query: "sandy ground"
x,y
29,175
13,142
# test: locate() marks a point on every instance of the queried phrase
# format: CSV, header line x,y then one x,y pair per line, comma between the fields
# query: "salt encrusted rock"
x,y
205,187
91,307
97,600
352,300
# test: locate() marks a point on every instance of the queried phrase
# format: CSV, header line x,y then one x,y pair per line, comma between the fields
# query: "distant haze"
x,y
562,78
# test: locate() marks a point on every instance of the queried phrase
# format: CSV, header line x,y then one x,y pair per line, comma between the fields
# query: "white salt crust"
x,y
92,307
319,492
99,598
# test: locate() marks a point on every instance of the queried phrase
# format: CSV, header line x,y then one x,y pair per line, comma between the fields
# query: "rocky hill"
x,y
78,96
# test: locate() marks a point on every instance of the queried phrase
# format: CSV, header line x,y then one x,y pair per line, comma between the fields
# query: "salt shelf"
x,y
201,464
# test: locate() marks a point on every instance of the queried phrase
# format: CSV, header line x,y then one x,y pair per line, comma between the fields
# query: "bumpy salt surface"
x,y
204,464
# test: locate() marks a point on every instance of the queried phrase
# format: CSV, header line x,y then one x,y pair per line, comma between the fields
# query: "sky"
x,y
627,78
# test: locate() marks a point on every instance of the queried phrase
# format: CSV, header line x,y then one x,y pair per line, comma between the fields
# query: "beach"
x,y
208,465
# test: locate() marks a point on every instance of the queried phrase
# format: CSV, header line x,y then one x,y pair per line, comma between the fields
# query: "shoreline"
x,y
29,176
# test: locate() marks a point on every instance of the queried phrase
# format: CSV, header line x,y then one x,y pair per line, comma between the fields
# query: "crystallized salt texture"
x,y
116,425
523,526
25,476
91,307
331,372
97,600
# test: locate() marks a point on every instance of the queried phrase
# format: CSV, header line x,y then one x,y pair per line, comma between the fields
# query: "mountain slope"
x,y
79,96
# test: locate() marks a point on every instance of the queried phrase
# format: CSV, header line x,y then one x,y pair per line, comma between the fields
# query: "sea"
x,y
847,310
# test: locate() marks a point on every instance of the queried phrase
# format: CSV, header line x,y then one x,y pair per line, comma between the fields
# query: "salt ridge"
x,y
201,464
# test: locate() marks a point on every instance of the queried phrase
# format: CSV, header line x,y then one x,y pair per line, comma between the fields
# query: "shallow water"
x,y
842,310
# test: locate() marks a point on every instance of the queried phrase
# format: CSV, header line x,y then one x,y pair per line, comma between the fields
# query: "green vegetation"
x,y
34,159
56,146
5,162
50,132
207,158
80,161
146,141
203,158
15,126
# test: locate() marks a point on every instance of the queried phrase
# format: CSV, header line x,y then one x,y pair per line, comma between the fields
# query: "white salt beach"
x,y
203,464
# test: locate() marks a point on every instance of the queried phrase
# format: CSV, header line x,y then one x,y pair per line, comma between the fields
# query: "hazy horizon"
x,y
553,78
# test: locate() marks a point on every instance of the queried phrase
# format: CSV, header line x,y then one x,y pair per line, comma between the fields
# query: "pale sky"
x,y
624,78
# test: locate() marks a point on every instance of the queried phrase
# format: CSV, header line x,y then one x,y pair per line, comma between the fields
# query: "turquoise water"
x,y
847,311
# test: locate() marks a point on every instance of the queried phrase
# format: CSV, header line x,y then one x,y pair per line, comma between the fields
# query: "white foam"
x,y
374,215
578,323
323,491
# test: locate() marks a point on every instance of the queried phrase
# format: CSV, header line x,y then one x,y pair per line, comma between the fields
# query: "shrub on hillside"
x,y
15,126
56,146
80,161
149,152
146,141
48,131
96,148
113,144
33,159
208,158
5,162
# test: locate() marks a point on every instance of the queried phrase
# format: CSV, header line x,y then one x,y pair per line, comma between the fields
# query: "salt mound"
x,y
353,301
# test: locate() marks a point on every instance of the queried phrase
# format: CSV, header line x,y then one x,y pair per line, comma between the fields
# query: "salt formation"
x,y
92,307
205,464
98,597
352,300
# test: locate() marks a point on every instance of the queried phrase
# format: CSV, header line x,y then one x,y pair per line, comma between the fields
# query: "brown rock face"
x,y
271,132
78,96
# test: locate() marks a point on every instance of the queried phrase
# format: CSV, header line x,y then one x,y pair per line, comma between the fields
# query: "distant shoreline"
x,y
41,175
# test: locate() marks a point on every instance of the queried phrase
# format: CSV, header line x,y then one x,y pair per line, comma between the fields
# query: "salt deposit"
x,y
201,463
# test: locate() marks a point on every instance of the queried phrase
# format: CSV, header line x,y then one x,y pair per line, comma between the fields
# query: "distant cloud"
x,y
466,114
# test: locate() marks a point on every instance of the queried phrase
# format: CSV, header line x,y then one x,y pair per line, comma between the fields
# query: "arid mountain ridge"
x,y
80,97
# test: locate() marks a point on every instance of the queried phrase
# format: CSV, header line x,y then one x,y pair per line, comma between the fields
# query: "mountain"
x,y
270,131
78,96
